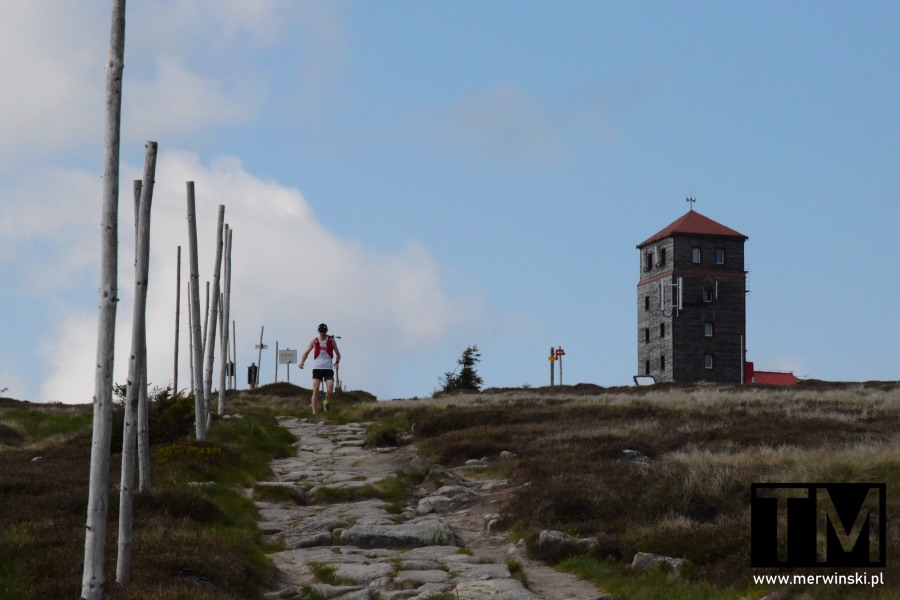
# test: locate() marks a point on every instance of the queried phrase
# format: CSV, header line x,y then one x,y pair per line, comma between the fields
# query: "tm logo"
x,y
818,524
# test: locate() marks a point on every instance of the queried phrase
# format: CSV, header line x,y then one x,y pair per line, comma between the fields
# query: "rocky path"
x,y
356,548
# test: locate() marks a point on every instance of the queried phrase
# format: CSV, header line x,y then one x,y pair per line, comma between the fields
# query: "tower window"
x,y
696,255
708,294
708,329
662,330
720,256
662,256
708,361
662,362
646,302
646,367
646,335
648,261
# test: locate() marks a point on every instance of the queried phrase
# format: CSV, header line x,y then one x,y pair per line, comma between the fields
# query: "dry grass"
x,y
705,445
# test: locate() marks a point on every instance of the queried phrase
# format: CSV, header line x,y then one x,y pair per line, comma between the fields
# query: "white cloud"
x,y
46,217
289,274
52,72
505,122
177,101
53,58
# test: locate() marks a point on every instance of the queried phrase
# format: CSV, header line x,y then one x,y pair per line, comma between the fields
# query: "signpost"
x,y
559,354
287,357
552,359
556,355
260,346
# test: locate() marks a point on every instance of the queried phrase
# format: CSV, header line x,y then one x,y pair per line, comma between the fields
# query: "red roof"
x,y
693,223
773,378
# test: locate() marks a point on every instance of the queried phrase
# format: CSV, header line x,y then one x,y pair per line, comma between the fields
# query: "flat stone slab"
x,y
418,578
498,589
363,573
412,534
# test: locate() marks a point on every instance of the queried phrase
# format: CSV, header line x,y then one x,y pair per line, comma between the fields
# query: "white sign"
x,y
286,357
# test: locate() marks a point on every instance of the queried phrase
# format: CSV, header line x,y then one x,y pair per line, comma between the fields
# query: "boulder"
x,y
633,456
645,561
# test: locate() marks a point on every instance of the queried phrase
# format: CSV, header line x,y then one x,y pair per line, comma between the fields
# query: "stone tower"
x,y
691,303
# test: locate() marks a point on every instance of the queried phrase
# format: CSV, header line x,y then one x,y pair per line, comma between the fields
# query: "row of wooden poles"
x,y
135,442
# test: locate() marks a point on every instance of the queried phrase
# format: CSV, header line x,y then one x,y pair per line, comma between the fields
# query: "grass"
x,y
325,572
396,491
659,585
388,431
189,541
283,494
705,445
21,423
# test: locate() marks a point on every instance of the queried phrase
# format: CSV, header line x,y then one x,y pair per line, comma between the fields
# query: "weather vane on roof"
x,y
691,200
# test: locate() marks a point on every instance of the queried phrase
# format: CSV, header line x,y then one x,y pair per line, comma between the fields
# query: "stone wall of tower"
x,y
703,340
655,349
708,331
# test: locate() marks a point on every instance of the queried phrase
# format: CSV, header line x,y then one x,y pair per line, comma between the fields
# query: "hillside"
x,y
663,470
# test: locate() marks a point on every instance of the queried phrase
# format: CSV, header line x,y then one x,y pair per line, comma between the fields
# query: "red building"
x,y
768,377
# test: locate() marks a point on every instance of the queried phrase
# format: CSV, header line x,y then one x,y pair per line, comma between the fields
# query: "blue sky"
x,y
427,175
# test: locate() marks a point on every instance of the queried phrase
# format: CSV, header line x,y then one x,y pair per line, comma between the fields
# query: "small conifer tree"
x,y
465,378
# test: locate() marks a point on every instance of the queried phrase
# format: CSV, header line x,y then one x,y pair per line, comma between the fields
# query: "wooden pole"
x,y
223,362
177,319
552,356
226,310
98,488
276,361
199,405
234,354
145,479
190,335
214,311
206,319
135,369
259,357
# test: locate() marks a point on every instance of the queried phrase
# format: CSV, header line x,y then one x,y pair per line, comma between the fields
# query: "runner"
x,y
326,357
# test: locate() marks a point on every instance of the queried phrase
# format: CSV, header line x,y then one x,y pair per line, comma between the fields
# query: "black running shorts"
x,y
323,374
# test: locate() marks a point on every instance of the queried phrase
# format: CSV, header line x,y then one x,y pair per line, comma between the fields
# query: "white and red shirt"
x,y
323,352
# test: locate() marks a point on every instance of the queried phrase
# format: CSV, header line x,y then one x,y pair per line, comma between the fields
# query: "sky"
x,y
424,176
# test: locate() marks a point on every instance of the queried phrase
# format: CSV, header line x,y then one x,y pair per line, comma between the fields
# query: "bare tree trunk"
x,y
177,323
136,375
143,435
98,493
206,319
226,310
199,404
210,347
234,354
190,334
144,471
